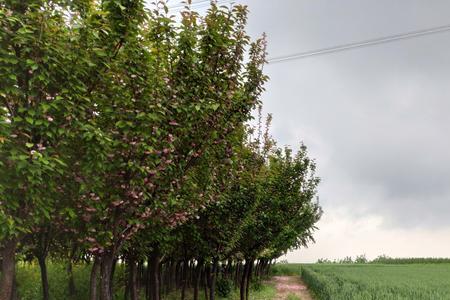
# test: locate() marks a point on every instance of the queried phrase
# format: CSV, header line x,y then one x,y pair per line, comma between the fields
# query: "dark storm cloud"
x,y
376,118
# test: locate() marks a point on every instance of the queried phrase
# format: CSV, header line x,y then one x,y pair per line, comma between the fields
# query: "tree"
x,y
150,127
266,208
284,212
123,136
38,103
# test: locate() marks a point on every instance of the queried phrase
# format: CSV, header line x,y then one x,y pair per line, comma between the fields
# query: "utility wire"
x,y
198,4
365,43
182,5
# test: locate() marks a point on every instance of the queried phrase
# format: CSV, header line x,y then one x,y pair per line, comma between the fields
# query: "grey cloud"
x,y
375,118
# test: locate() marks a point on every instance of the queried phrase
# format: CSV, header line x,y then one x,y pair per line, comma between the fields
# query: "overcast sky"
x,y
377,119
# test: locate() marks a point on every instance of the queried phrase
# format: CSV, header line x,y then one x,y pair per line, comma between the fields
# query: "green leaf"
x,y
121,124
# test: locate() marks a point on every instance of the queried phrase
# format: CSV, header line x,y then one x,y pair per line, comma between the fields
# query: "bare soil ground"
x,y
286,285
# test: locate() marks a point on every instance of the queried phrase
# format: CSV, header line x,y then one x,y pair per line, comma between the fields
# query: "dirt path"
x,y
286,285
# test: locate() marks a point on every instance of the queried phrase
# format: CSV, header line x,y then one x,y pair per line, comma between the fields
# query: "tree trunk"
x,y
173,272
154,260
236,274
8,269
198,274
264,271
105,277
205,280
44,276
15,294
140,275
113,270
212,288
147,280
249,278
229,269
71,283
269,265
128,280
178,275
243,284
262,265
133,279
162,280
93,281
184,279
191,273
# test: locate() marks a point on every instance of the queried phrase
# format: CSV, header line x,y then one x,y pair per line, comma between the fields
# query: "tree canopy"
x,y
124,137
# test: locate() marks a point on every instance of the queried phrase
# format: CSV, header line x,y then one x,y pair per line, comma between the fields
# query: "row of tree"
x,y
384,259
123,140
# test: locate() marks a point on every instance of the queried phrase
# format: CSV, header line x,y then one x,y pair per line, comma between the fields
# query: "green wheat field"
x,y
374,281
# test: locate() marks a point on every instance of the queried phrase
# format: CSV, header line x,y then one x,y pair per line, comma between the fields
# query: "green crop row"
x,y
377,282
412,260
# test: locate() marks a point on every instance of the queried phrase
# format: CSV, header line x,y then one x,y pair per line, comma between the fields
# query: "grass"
x,y
373,281
292,297
264,292
29,281
29,284
326,281
286,269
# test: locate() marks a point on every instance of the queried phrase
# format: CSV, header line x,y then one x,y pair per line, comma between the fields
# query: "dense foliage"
x,y
124,144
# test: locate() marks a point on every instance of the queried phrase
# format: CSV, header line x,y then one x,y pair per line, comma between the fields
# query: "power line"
x,y
182,5
197,4
365,43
